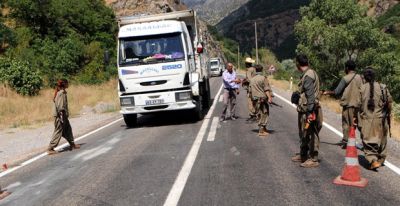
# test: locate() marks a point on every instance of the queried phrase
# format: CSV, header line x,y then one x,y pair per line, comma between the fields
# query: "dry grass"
x,y
333,104
20,111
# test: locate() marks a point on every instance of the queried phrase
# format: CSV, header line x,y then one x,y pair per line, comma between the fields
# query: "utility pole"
x,y
238,58
255,31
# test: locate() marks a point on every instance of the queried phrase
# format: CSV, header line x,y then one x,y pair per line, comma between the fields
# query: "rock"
x,y
103,107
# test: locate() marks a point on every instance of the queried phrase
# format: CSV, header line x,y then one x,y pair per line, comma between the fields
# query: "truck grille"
x,y
153,83
156,107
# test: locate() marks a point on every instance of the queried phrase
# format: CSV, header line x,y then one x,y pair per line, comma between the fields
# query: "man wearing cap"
x,y
262,95
250,73
231,89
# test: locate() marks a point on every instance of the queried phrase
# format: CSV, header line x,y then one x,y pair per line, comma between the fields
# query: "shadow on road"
x,y
167,118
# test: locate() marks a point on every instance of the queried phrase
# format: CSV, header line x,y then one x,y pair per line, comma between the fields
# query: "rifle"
x,y
275,104
387,112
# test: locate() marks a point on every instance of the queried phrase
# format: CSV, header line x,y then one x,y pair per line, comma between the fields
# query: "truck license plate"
x,y
154,101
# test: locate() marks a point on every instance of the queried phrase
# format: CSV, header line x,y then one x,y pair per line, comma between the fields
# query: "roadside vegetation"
x,y
24,111
41,41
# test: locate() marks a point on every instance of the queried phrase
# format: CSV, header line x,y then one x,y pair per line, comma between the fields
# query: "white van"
x,y
216,67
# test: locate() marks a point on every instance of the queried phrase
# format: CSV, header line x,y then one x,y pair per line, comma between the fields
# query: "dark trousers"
x,y
309,138
229,101
61,129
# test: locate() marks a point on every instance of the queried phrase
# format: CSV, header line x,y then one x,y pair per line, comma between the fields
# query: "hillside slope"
x,y
136,7
214,11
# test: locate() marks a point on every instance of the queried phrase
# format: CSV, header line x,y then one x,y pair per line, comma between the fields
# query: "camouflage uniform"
x,y
62,127
308,104
349,88
259,85
375,127
250,73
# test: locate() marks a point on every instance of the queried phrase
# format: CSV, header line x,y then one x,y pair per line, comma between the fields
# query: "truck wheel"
x,y
198,112
130,120
206,95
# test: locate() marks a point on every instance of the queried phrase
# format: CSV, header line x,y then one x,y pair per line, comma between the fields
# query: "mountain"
x,y
275,23
214,11
139,7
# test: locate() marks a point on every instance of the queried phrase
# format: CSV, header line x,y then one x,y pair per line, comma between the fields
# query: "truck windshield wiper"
x,y
135,62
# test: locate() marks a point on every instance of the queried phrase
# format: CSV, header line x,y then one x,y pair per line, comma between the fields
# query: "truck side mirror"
x,y
106,57
200,48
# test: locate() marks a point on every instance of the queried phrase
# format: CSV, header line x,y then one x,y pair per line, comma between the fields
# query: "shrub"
x,y
20,77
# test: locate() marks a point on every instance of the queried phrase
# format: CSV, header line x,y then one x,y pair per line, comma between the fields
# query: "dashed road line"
x,y
391,166
213,129
180,181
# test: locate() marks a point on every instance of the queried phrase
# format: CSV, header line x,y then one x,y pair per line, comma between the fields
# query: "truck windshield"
x,y
150,49
214,64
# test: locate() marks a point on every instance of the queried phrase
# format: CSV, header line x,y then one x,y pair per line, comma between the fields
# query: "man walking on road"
x,y
261,94
349,87
62,127
231,89
309,114
250,73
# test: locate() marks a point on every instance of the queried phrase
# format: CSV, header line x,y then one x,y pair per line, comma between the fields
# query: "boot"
x,y
74,146
52,152
310,163
375,165
4,194
263,132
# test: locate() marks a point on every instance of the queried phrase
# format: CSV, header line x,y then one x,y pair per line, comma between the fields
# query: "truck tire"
x,y
198,111
130,120
206,95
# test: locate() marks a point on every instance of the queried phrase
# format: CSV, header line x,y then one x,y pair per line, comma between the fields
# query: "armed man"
x,y
262,95
250,73
309,114
349,89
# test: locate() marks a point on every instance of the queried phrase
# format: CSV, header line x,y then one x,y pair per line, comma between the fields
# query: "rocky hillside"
x,y
378,7
275,21
214,11
136,7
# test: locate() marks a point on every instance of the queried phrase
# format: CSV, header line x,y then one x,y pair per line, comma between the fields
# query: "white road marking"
x,y
221,98
180,181
57,148
13,185
391,166
213,129
97,152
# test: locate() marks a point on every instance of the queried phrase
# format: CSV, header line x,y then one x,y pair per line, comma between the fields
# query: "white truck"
x,y
161,65
216,67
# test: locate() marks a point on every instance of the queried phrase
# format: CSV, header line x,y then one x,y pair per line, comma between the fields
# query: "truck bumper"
x,y
168,103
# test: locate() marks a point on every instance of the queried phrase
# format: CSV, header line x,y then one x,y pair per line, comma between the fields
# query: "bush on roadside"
x,y
396,111
20,77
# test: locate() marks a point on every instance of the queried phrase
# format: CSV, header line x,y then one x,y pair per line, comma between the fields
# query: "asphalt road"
x,y
171,157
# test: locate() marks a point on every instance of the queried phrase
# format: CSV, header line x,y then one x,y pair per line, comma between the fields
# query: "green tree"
x,y
53,36
20,77
6,34
333,31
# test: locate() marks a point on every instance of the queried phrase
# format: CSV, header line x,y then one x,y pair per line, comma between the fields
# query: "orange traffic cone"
x,y
351,171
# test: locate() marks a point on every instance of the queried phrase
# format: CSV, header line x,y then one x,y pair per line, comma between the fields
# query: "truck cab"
x,y
160,65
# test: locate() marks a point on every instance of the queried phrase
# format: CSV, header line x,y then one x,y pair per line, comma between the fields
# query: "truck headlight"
x,y
127,101
183,96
